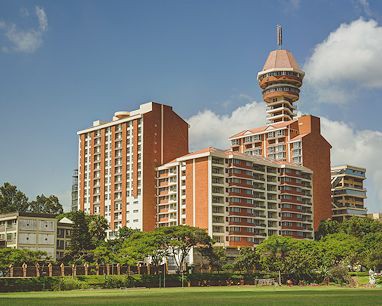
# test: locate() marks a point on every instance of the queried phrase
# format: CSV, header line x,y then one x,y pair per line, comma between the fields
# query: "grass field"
x,y
244,295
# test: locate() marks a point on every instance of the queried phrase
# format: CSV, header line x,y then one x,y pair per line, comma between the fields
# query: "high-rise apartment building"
x,y
75,190
118,159
348,192
287,138
239,199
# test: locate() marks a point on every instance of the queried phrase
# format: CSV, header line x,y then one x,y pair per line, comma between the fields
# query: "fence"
x,y
38,270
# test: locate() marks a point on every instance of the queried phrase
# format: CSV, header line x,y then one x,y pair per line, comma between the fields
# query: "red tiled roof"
x,y
263,128
281,59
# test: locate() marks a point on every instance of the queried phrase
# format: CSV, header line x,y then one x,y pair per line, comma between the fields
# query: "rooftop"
x,y
263,128
281,59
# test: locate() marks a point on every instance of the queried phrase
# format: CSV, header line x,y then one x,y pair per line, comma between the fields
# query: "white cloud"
x,y
346,62
42,19
365,7
27,41
210,129
356,147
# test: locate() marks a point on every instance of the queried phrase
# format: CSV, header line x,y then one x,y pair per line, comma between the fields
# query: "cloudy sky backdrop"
x,y
65,64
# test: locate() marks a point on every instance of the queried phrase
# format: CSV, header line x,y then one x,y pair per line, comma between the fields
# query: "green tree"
x,y
216,257
103,255
372,254
141,245
125,232
360,226
81,241
98,226
327,227
247,261
302,260
181,239
338,249
12,200
272,253
47,205
17,257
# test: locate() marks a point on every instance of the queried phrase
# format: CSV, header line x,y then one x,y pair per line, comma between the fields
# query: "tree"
x,y
302,260
103,255
247,261
372,254
327,227
81,242
17,257
216,257
360,226
12,200
47,205
141,245
97,228
273,251
181,239
125,232
338,249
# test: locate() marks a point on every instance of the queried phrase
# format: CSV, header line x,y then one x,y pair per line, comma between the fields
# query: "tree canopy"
x,y
14,200
47,205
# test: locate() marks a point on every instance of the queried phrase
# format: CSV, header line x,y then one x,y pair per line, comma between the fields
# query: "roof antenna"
x,y
279,31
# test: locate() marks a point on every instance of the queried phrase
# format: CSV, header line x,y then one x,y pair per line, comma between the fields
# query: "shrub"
x,y
120,282
68,283
27,284
339,275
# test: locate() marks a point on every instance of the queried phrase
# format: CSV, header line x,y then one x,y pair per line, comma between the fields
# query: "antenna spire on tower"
x,y
279,31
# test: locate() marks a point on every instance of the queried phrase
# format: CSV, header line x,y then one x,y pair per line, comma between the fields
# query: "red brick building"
x,y
286,137
118,160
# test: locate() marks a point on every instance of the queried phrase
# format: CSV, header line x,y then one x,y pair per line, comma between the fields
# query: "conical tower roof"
x,y
281,59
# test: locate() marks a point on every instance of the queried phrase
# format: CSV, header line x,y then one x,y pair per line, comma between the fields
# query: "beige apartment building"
x,y
239,199
348,192
36,232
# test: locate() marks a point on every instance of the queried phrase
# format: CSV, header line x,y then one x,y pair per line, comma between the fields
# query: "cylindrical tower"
x,y
280,80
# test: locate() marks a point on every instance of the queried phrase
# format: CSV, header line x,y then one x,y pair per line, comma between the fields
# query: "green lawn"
x,y
244,295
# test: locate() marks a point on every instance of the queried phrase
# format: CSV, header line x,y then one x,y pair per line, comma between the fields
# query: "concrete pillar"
x,y
62,267
86,267
37,269
50,269
10,270
24,267
74,270
118,269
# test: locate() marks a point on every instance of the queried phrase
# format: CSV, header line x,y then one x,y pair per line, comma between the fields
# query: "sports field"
x,y
244,295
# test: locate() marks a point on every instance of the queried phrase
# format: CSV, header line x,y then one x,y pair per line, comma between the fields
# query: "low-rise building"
x,y
36,232
64,234
32,231
375,216
348,192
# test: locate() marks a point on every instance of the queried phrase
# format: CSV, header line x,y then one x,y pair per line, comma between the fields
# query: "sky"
x,y
64,64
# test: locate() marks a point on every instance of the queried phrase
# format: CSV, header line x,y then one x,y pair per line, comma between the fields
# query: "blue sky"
x,y
65,64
